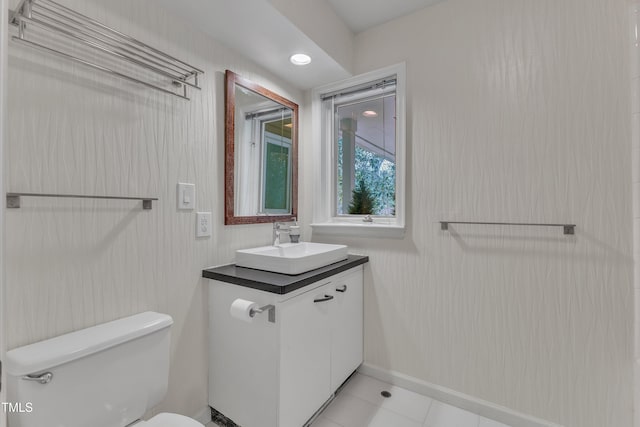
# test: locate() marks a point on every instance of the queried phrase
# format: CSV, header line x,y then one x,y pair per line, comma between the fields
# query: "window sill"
x,y
359,230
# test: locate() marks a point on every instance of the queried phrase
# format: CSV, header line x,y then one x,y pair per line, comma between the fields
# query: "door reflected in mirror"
x,y
261,154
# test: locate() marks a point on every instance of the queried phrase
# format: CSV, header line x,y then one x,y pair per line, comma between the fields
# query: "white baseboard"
x,y
460,400
204,416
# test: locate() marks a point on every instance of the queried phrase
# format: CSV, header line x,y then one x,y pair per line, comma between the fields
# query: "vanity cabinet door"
x,y
305,355
346,327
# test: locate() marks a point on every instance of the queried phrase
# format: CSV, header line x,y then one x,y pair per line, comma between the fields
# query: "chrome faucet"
x,y
279,227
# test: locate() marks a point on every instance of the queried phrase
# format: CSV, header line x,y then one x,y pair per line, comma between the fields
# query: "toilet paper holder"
x,y
272,312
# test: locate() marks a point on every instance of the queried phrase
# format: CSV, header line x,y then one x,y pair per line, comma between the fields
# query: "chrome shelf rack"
x,y
154,69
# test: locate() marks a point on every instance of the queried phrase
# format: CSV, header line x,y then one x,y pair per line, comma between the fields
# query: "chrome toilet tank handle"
x,y
44,378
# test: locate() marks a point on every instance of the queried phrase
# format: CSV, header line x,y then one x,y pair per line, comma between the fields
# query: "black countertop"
x,y
279,283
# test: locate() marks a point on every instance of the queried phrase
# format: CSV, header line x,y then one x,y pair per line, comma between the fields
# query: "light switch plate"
x,y
186,196
203,224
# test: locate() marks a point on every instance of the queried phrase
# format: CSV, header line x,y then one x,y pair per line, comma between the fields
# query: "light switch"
x,y
203,224
186,196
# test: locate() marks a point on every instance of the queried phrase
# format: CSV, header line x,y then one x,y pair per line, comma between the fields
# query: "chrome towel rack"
x,y
567,229
59,22
13,199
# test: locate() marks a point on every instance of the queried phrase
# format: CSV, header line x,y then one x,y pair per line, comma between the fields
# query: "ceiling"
x,y
258,31
264,31
261,33
360,15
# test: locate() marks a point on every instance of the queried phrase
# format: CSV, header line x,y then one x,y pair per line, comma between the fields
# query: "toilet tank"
x,y
108,375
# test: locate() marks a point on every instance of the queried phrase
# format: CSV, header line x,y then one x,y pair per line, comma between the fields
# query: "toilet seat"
x,y
166,419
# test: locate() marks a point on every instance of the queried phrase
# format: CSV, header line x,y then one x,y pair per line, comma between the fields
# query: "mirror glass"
x,y
261,154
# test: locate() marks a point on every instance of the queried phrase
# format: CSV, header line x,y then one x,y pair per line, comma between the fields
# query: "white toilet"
x,y
104,376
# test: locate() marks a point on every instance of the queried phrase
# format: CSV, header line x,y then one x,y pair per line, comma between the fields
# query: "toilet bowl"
x,y
107,375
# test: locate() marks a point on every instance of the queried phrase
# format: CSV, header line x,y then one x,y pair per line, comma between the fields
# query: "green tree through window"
x,y
378,175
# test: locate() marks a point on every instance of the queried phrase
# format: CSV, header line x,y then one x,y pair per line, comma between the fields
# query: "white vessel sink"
x,y
291,258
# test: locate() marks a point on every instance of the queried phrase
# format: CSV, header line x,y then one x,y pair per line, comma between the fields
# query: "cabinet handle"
x,y
342,289
326,298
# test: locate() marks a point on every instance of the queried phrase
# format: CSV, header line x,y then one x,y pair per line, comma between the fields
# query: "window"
x,y
276,166
264,163
360,125
365,133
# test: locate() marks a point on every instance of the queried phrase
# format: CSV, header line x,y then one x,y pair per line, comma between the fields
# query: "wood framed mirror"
x,y
261,154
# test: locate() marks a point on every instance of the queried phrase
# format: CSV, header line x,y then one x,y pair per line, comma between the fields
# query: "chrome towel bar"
x,y
13,199
567,229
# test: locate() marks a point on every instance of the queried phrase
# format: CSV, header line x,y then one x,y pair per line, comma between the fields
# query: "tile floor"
x,y
360,404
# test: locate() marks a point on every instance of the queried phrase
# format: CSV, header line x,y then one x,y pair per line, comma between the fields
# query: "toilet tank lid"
x,y
37,357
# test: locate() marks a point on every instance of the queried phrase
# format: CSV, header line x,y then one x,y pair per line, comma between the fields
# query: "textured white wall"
x,y
634,15
3,116
72,263
518,110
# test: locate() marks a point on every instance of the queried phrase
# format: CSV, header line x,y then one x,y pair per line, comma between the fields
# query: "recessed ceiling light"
x,y
370,113
300,59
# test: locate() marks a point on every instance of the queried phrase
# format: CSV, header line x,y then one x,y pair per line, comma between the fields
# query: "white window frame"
x,y
325,220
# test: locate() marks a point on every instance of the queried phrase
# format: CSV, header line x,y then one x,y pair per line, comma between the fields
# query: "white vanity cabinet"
x,y
346,327
265,374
